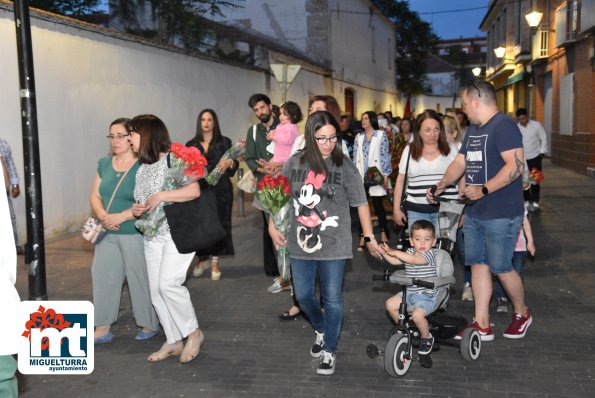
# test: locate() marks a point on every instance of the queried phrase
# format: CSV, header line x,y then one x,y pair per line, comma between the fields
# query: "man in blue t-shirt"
x,y
492,161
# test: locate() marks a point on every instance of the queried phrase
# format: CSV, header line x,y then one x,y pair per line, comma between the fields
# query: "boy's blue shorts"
x,y
427,302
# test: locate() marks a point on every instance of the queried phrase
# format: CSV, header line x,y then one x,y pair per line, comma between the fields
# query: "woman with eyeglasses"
x,y
370,149
120,254
324,184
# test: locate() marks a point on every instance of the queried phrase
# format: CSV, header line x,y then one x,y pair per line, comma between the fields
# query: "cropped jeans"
x,y
331,274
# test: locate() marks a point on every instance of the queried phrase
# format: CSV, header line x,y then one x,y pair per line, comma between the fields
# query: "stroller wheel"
x,y
397,359
470,344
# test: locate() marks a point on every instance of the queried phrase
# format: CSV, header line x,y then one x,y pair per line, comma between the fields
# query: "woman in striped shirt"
x,y
429,155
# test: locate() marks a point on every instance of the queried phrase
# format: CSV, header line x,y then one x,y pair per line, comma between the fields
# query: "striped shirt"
x,y
417,271
422,174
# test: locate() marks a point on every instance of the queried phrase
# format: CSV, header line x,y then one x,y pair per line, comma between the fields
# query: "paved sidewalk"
x,y
249,353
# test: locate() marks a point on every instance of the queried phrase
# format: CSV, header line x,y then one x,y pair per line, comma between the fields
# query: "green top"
x,y
258,150
124,197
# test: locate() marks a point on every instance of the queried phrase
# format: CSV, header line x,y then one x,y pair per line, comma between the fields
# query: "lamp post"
x,y
533,20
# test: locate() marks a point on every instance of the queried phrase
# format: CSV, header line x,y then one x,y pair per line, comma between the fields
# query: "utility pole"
x,y
35,246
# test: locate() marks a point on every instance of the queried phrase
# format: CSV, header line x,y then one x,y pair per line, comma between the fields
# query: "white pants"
x,y
167,268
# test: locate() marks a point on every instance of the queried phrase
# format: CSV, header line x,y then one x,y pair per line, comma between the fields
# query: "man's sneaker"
x,y
535,205
502,305
527,205
327,363
485,334
467,292
519,325
279,285
317,348
425,345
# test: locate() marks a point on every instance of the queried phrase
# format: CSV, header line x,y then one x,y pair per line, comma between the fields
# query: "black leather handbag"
x,y
195,225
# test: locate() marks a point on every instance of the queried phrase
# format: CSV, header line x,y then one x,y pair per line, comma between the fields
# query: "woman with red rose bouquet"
x,y
166,266
214,146
324,184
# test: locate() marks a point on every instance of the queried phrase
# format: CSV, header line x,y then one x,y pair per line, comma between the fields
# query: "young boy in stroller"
x,y
420,263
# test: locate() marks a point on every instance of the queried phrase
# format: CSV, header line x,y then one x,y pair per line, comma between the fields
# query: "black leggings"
x,y
378,204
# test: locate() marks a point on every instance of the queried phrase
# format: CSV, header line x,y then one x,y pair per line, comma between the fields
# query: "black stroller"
x,y
398,353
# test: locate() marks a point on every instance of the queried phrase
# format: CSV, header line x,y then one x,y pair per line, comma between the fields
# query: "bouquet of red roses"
x,y
535,176
373,177
236,150
273,194
187,164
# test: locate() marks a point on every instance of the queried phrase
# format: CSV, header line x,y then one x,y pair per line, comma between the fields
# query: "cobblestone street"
x,y
249,353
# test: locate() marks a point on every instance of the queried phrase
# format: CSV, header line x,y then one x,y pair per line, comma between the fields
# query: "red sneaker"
x,y
485,334
519,325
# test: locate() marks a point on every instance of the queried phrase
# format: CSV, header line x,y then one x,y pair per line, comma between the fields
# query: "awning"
x,y
516,78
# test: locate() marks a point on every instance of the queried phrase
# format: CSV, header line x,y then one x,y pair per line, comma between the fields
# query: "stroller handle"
x,y
464,200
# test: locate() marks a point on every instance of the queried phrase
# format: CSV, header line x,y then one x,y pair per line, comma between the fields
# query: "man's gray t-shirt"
x,y
320,224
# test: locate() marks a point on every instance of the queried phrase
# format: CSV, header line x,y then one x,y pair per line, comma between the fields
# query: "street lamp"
x,y
533,18
500,52
476,71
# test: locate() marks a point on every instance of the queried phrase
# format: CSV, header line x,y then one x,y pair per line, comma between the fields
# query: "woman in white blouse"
x,y
166,266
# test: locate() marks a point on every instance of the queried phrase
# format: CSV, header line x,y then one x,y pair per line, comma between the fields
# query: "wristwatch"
x,y
15,186
484,190
369,239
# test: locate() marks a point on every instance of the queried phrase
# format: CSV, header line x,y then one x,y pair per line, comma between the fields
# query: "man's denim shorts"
x,y
491,242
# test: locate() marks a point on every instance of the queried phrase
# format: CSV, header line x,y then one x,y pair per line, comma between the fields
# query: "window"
x,y
350,102
391,58
517,29
566,23
373,44
567,104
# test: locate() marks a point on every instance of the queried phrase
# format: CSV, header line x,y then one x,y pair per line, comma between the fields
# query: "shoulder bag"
x,y
248,182
194,225
92,230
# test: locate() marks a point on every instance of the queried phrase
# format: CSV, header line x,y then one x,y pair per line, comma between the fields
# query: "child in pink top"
x,y
286,132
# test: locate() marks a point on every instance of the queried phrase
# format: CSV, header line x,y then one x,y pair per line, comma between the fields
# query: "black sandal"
x,y
286,316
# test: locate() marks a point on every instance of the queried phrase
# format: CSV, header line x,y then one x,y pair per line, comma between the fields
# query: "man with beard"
x,y
257,158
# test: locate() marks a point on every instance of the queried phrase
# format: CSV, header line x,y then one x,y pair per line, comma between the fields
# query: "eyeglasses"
x,y
324,140
118,137
472,84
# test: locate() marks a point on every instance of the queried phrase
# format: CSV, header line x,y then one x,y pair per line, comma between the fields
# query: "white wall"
x,y
84,80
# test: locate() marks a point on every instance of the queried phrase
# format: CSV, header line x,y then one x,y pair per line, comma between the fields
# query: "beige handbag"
x,y
92,230
248,182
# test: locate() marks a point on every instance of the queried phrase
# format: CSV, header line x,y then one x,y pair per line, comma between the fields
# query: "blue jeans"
x,y
331,284
413,216
517,263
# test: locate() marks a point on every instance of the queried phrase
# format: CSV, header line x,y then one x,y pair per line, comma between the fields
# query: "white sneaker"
x,y
467,292
327,364
535,205
527,205
502,305
317,348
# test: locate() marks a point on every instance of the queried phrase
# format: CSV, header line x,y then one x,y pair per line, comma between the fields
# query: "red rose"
x,y
283,180
261,185
273,183
286,190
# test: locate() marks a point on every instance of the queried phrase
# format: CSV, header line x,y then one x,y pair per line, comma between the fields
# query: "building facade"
x,y
352,38
547,68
